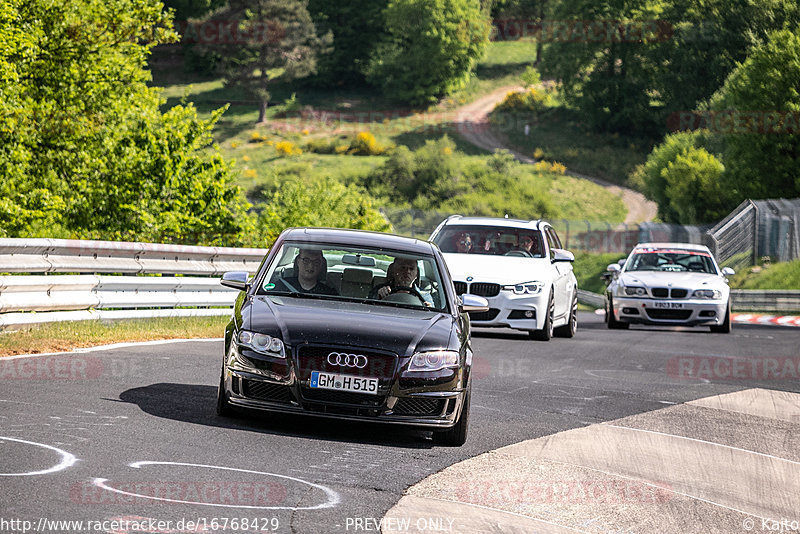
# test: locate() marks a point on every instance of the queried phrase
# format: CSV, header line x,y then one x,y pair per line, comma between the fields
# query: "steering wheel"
x,y
520,253
401,294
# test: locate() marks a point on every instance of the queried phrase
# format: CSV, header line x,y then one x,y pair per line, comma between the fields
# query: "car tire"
x,y
546,333
456,435
611,321
569,329
725,327
224,408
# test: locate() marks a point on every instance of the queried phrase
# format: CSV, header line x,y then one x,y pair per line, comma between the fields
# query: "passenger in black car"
x,y
310,268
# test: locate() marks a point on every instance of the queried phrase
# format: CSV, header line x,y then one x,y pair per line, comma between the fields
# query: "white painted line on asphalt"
x,y
112,346
333,497
67,459
713,443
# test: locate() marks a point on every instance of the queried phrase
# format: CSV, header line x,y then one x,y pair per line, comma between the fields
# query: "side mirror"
x,y
614,268
472,303
727,271
236,280
622,261
560,254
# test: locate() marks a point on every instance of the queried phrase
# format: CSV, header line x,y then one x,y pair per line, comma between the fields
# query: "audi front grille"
x,y
380,365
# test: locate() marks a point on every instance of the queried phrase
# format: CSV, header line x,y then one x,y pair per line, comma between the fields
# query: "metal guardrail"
x,y
588,298
134,291
784,300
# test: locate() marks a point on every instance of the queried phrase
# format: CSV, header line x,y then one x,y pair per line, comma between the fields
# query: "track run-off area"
x,y
650,430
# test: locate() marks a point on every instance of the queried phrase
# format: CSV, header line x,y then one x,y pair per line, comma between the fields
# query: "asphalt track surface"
x,y
122,438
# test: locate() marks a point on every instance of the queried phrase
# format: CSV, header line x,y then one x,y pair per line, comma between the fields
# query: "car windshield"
x,y
490,240
324,271
671,260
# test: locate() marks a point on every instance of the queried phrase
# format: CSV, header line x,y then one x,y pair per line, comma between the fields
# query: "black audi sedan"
x,y
351,325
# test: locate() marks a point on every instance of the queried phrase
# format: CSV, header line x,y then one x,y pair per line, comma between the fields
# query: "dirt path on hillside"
x,y
473,125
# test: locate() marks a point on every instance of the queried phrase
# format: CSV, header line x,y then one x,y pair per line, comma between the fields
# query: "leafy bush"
x,y
685,179
326,202
364,144
431,48
287,148
532,100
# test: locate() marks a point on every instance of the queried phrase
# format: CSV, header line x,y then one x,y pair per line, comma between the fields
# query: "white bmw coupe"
x,y
671,284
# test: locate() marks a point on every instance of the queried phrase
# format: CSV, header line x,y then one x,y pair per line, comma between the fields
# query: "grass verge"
x,y
60,337
785,275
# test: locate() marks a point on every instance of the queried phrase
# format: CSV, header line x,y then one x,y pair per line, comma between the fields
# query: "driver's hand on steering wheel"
x,y
384,291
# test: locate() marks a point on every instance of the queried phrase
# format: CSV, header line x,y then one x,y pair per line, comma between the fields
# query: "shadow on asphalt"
x,y
197,404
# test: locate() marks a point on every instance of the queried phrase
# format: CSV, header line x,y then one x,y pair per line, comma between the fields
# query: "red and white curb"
x,y
776,320
754,318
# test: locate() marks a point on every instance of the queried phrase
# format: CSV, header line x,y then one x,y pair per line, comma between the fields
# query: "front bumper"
x,y
507,309
670,312
433,402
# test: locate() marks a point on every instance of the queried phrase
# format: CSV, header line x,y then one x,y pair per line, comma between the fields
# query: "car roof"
x,y
460,220
359,238
679,246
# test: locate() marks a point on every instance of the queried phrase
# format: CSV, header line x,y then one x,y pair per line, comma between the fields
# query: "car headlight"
x,y
635,291
707,294
433,361
530,288
262,343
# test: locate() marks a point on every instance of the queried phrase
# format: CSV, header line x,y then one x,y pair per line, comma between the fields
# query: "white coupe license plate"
x,y
344,382
668,305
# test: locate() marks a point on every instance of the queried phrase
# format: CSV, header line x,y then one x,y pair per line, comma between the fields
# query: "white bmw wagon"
x,y
519,266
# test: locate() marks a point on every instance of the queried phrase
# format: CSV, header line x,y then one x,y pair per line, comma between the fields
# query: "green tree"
x,y
762,138
432,47
357,27
694,187
706,40
326,203
276,41
84,149
598,51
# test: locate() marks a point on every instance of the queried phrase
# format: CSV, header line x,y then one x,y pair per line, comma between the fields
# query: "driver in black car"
x,y
401,276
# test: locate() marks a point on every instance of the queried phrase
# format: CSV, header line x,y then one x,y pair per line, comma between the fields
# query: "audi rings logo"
x,y
347,360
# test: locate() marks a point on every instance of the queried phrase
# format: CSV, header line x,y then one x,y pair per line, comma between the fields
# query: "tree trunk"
x,y
262,111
